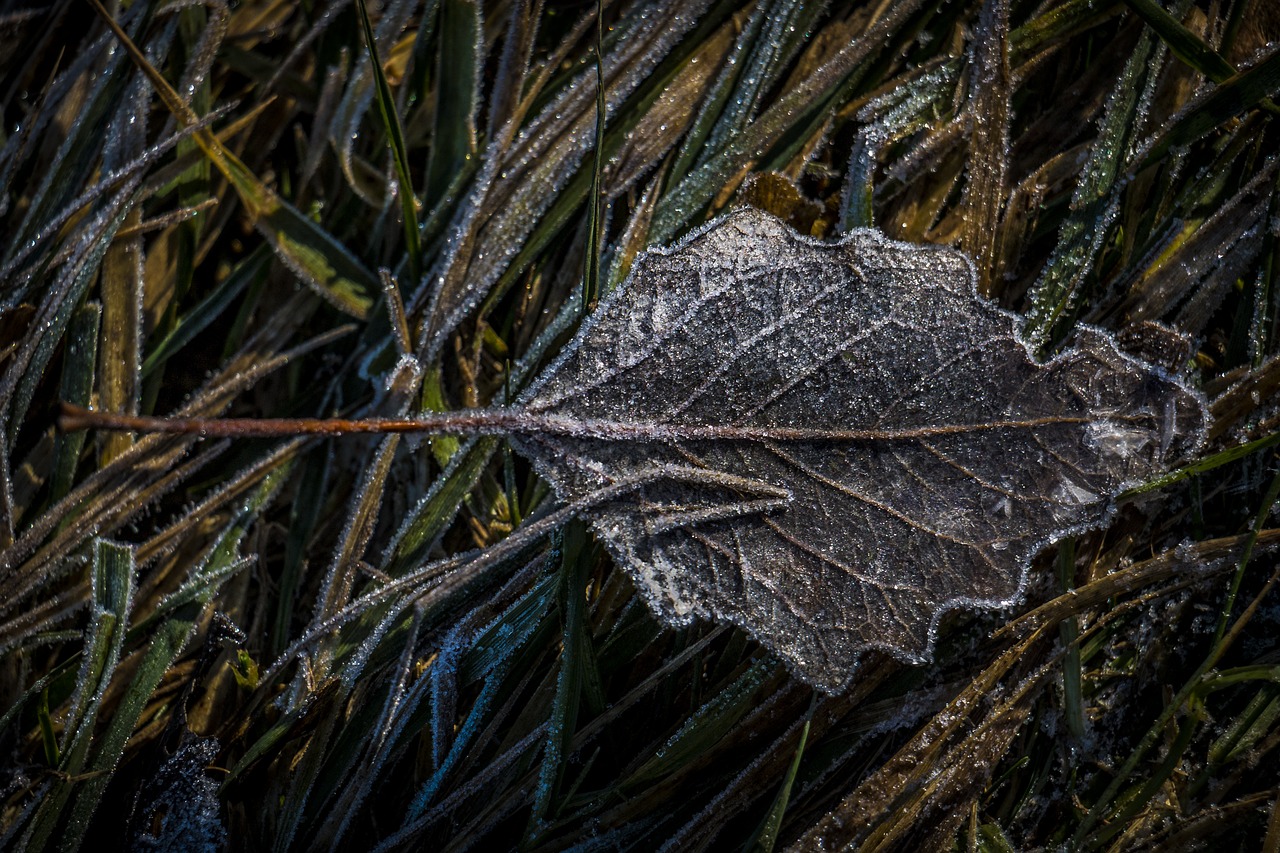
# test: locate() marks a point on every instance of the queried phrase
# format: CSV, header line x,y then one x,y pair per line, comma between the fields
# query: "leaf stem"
x,y
508,421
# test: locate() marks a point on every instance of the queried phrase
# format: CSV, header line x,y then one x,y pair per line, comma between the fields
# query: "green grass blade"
x,y
1236,95
438,508
1072,693
304,515
1202,466
1056,23
576,563
767,838
591,276
119,380
773,36
1121,808
704,727
1083,233
112,575
1186,45
250,270
460,54
399,150
38,348
79,364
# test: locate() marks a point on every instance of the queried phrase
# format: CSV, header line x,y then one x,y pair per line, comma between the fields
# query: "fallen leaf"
x,y
843,440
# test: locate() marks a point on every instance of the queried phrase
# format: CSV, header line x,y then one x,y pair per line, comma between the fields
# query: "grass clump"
x,y
240,214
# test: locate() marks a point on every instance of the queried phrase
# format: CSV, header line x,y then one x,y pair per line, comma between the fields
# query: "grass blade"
x,y
399,151
308,250
112,574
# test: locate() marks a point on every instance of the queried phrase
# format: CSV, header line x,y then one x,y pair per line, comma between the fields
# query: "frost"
x,y
179,810
841,441
1115,438
523,176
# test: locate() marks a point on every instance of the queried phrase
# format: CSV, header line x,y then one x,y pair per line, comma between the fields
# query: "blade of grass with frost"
x,y
481,708
767,836
1207,258
472,652
200,31
120,289
501,639
1186,45
1058,23
361,515
30,563
1236,95
423,527
79,364
219,506
595,223
1109,806
693,146
1206,559
636,140
304,516
1069,631
658,116
1237,254
459,58
1244,731
395,139
513,67
965,771
359,92
634,238
576,671
770,39
683,202
987,181
1151,229
310,251
356,781
516,187
654,123
16,267
26,367
877,795
1093,205
746,789
112,575
705,727
146,473
75,156
899,113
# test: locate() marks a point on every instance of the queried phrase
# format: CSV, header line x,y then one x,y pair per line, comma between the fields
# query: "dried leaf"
x,y
844,441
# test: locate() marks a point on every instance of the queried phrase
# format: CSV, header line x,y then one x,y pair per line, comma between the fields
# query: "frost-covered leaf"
x,y
844,440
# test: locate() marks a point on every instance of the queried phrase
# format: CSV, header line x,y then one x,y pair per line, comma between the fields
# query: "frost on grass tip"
x,y
862,442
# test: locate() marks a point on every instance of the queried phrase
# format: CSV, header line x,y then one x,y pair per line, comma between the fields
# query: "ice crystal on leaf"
x,y
842,440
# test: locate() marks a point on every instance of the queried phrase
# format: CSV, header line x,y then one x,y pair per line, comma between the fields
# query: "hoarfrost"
x,y
856,442
180,809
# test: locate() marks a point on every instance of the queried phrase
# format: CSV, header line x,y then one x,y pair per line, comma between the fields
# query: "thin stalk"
x,y
520,421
